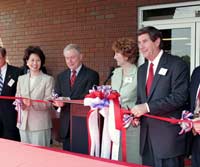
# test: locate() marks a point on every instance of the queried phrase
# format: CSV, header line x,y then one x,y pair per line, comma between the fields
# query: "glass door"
x,y
197,55
180,25
179,39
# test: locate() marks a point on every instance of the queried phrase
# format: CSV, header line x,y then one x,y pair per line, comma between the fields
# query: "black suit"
x,y
84,81
195,81
8,114
168,95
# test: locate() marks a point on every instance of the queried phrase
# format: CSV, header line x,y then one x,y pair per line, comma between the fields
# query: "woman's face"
x,y
121,60
34,63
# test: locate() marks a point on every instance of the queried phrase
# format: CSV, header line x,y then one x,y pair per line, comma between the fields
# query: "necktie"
x,y
149,79
1,82
73,78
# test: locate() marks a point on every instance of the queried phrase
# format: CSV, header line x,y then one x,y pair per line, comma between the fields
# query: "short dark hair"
x,y
127,47
3,51
153,33
36,50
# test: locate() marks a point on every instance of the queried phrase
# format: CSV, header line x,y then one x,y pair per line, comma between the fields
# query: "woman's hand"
x,y
27,102
135,122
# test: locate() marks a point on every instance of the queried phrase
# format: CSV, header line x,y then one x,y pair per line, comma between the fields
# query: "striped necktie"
x,y
1,82
73,78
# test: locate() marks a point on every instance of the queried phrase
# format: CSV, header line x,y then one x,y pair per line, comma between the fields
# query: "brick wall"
x,y
52,24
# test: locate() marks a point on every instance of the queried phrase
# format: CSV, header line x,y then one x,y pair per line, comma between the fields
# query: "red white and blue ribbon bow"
x,y
188,124
104,100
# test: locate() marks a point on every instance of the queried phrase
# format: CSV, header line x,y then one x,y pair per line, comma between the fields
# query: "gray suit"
x,y
37,116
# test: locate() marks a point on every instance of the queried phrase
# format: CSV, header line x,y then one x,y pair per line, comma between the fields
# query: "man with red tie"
x,y
162,90
195,108
73,83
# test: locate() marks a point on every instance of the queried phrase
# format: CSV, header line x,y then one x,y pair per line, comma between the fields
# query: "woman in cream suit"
x,y
124,80
34,121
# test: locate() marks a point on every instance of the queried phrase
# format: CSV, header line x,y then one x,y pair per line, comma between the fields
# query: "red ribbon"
x,y
114,95
118,112
89,135
41,101
170,120
118,122
21,98
118,115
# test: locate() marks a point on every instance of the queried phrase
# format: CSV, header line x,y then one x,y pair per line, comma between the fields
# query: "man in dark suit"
x,y
8,115
195,107
73,83
162,91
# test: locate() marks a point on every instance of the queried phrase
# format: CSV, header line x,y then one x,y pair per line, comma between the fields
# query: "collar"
x,y
156,60
77,69
4,68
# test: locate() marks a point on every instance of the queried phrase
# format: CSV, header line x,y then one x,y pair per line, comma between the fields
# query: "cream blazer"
x,y
37,116
126,86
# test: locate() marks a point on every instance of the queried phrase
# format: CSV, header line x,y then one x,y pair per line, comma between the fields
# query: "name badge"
x,y
11,82
163,71
128,80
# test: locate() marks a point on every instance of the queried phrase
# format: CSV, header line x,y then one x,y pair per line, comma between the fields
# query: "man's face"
x,y
2,60
148,48
73,59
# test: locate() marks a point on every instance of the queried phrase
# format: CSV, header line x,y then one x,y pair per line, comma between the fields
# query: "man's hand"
x,y
58,103
139,110
196,126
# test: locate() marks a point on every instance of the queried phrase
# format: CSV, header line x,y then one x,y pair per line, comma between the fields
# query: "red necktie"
x,y
73,78
149,79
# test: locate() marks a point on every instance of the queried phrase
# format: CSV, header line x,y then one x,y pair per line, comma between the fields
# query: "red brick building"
x,y
94,24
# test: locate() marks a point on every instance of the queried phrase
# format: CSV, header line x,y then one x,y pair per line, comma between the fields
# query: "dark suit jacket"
x,y
8,114
167,98
194,85
84,81
195,80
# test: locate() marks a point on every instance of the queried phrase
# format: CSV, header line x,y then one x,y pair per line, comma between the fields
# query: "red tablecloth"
x,y
15,154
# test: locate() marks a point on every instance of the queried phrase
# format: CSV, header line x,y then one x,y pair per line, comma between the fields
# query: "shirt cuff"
x,y
148,110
